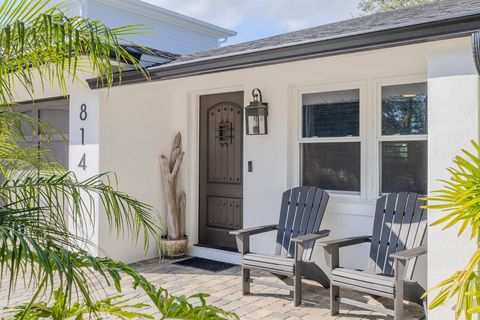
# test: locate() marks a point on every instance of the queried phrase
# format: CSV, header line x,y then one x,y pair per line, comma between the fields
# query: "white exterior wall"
x,y
138,123
453,120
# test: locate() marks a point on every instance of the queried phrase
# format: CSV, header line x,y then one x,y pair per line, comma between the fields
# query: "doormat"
x,y
205,264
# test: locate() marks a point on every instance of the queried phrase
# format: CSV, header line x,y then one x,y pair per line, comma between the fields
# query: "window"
x,y
403,138
350,146
55,113
330,143
331,114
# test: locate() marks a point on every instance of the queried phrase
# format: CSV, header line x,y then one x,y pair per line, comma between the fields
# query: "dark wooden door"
x,y
221,174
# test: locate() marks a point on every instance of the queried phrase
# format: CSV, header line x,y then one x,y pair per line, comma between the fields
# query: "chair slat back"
x,y
400,224
301,213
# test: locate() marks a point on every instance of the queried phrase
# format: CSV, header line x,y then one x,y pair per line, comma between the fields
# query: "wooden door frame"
x,y
192,156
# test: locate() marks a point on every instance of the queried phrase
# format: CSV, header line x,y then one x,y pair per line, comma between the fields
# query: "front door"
x,y
221,159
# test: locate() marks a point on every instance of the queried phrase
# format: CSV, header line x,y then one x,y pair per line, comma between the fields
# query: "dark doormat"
x,y
205,264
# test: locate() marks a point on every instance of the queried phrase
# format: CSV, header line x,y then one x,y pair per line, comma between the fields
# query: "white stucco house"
x,y
336,94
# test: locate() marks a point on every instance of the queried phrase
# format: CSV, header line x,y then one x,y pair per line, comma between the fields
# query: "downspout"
x,y
222,41
476,49
83,8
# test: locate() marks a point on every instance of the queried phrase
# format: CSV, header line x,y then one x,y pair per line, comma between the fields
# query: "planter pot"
x,y
173,248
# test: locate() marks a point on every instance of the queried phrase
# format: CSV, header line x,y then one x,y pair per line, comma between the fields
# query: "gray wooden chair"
x,y
301,215
398,233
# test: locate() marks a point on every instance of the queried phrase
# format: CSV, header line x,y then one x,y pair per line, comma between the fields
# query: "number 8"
x,y
83,112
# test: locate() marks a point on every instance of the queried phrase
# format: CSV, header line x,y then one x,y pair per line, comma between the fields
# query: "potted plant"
x,y
174,243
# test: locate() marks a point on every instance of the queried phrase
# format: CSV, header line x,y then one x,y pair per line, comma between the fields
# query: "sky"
x,y
255,19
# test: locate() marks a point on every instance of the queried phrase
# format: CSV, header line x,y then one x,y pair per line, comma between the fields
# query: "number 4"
x,y
83,162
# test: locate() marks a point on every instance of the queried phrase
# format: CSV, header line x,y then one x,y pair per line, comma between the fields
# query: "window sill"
x,y
338,198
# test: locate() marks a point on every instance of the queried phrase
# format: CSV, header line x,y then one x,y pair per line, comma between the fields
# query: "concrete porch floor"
x,y
224,290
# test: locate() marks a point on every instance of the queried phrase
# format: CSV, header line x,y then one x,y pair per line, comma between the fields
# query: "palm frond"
x,y
459,203
40,44
45,211
17,153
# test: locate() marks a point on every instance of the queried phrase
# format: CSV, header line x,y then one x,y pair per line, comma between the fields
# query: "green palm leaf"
x,y
44,210
460,201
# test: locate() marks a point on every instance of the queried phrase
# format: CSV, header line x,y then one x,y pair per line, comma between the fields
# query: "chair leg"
x,y
297,287
398,306
334,304
399,267
245,282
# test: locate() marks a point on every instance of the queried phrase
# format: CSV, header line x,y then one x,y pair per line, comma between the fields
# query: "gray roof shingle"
x,y
436,10
438,20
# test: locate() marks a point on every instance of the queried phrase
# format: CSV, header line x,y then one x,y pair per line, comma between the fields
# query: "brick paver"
x,y
224,290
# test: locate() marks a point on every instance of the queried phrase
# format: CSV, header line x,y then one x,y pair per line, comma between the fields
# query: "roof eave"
x,y
163,14
430,31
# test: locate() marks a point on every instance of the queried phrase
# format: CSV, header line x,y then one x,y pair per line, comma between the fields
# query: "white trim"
x,y
215,254
378,83
402,137
158,13
297,140
330,139
370,127
193,157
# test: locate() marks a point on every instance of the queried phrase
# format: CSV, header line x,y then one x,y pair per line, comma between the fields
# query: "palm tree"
x,y
44,210
40,199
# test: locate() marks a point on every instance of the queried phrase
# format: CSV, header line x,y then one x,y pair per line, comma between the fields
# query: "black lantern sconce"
x,y
256,114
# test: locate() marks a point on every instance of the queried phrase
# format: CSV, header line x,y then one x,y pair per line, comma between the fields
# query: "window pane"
x,y
57,118
404,109
404,166
58,149
331,114
27,129
332,166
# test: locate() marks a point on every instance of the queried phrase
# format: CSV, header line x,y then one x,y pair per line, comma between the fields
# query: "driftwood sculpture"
x,y
176,205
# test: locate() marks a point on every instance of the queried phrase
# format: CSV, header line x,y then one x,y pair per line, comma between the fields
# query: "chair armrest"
x,y
312,236
242,236
254,230
301,241
410,253
345,242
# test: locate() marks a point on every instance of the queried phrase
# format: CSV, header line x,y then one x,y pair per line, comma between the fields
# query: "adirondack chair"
x,y
301,214
396,242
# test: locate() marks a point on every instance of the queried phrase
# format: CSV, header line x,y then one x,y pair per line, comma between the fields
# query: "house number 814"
x,y
83,116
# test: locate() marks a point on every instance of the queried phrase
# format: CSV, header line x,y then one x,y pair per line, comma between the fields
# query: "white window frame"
x,y
299,140
379,138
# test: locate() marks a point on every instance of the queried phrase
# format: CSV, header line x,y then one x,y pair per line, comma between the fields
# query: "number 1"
x,y
83,136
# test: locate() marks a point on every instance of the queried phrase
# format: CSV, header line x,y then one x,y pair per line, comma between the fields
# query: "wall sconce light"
x,y
256,114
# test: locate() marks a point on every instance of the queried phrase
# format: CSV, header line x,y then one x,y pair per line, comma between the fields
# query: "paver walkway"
x,y
224,290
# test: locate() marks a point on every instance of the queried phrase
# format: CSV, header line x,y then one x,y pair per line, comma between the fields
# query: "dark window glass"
x,y
57,118
58,149
56,114
404,166
332,166
331,114
404,109
26,129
